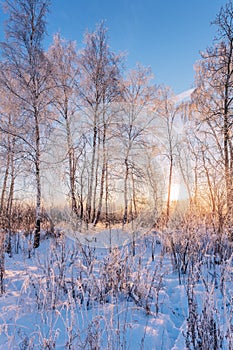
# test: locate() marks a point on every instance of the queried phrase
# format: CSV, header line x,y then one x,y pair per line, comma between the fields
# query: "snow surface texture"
x,y
152,292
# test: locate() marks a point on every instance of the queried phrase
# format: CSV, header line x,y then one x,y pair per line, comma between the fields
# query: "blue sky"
x,y
164,34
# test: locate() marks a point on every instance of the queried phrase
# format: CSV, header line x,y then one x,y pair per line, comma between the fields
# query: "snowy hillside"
x,y
183,96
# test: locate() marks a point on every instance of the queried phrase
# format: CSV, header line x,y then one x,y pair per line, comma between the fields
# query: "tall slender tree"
x,y
166,111
99,88
214,99
24,73
65,76
135,120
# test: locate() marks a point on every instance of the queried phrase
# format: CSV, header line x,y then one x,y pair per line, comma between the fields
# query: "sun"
x,y
175,191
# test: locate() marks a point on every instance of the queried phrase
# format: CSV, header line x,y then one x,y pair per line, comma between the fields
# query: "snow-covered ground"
x,y
82,292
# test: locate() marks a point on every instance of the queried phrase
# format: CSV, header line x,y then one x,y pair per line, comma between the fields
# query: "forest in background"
x,y
85,141
116,196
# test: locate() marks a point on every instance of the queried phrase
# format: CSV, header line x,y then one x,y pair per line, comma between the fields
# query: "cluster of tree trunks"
x,y
115,126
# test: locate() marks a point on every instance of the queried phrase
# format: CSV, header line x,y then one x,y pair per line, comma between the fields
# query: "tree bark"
x,y
125,216
91,178
102,176
72,164
169,188
38,184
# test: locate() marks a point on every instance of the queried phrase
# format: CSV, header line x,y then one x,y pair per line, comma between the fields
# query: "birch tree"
x,y
99,88
24,73
65,75
135,119
214,100
10,150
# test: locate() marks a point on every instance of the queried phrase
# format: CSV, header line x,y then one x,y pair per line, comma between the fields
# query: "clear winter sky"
x,y
164,34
